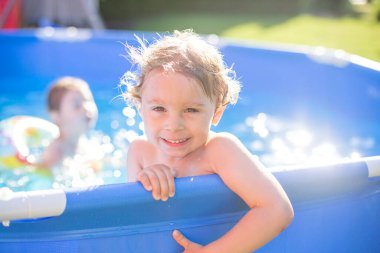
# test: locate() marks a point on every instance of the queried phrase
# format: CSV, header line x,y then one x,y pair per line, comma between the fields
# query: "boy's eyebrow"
x,y
155,101
159,101
196,104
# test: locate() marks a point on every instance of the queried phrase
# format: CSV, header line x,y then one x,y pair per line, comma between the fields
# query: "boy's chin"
x,y
174,154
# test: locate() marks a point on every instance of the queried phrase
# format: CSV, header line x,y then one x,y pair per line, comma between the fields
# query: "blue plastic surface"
x,y
336,210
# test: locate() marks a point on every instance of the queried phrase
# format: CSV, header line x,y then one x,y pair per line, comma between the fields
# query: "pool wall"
x,y
337,209
337,206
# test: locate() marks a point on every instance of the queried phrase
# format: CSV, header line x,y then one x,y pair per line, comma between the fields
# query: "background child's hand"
x,y
159,179
189,246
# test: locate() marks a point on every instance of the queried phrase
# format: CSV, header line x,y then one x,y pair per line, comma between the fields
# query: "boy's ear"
x,y
218,114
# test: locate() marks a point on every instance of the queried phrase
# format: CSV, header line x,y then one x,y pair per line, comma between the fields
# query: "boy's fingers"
x,y
143,178
170,179
154,181
159,179
163,181
181,239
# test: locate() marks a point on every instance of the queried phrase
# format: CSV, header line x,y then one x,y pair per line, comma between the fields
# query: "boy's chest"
x,y
194,170
188,166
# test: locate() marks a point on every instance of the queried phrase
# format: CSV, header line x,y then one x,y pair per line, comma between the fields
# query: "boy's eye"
x,y
159,109
191,110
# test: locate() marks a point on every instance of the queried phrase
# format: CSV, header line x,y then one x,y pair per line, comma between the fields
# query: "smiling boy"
x,y
181,89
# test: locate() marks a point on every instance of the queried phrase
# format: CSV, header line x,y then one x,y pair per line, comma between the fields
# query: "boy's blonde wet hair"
x,y
61,86
187,53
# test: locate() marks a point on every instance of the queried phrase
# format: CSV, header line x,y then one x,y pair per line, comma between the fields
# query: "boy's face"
x,y
177,114
78,111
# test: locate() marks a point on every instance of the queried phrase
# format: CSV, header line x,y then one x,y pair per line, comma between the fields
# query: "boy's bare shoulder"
x,y
223,138
223,142
224,150
139,144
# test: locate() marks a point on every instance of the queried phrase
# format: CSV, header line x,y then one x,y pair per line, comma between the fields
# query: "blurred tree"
x,y
119,14
326,7
376,9
115,11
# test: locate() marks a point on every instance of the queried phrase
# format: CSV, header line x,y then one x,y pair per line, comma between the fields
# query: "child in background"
x,y
72,108
181,89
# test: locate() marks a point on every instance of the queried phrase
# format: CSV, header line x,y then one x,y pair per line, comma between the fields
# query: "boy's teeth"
x,y
176,141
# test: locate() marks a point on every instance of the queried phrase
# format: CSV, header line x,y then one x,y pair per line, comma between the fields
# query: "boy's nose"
x,y
174,123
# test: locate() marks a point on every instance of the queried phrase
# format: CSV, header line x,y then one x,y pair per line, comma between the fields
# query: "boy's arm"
x,y
50,157
270,211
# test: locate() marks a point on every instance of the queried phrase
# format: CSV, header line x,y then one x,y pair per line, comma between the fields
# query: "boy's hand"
x,y
159,179
189,246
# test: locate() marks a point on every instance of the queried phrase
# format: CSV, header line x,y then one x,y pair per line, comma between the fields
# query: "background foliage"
x,y
330,23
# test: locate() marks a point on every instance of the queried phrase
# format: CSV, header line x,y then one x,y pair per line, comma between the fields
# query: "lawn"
x,y
354,35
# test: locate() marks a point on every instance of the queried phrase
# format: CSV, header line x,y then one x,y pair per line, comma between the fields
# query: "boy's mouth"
x,y
175,141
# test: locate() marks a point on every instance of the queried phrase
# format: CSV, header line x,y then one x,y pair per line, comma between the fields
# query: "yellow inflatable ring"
x,y
23,138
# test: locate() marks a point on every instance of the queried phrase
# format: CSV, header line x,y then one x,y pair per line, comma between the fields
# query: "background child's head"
x,y
70,101
186,53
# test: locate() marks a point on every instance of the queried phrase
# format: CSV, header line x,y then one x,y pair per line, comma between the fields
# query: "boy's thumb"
x,y
181,239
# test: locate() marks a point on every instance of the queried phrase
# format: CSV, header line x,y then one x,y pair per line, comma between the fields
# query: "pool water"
x,y
293,109
276,140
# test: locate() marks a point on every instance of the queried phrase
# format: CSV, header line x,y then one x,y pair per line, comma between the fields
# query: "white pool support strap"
x,y
373,164
31,204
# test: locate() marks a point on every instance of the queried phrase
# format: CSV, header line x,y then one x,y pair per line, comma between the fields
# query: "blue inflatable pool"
x,y
337,202
336,210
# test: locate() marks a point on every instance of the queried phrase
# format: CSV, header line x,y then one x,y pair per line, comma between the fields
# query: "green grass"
x,y
354,35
